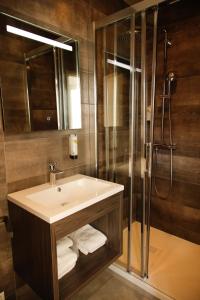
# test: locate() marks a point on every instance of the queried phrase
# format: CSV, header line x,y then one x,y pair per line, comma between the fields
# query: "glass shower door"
x,y
141,136
122,70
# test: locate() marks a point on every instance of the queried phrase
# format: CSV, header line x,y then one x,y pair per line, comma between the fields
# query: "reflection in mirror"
x,y
40,79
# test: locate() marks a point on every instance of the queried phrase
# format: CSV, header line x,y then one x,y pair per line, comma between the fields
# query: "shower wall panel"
x,y
180,213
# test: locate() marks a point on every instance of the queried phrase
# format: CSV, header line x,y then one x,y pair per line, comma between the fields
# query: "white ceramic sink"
x,y
70,195
70,192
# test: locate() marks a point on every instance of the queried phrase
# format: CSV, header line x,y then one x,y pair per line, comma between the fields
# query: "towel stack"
x,y
87,239
66,257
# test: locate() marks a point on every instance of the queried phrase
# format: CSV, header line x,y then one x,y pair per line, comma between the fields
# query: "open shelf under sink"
x,y
86,267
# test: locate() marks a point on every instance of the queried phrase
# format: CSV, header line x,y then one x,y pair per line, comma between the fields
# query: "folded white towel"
x,y
63,244
67,258
85,251
64,270
66,262
88,239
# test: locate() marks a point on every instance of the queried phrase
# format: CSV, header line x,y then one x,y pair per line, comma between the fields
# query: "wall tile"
x,y
27,155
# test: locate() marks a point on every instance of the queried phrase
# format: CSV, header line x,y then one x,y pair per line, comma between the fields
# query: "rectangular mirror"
x,y
39,78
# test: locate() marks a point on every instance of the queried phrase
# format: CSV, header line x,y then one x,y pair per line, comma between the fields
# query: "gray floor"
x,y
106,286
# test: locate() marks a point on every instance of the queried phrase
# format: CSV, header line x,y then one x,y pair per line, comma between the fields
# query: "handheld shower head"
x,y
171,82
171,77
169,43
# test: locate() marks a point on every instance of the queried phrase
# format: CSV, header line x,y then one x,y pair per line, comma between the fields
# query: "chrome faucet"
x,y
53,172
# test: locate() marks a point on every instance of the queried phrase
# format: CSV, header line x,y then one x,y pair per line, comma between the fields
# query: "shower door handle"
x,y
149,158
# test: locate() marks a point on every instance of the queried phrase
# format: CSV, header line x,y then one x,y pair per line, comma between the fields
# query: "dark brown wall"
x,y
24,158
107,7
180,213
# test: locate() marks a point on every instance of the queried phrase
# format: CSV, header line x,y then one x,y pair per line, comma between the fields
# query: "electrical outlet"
x,y
2,296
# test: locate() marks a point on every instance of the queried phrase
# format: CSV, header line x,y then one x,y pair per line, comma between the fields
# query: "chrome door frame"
x,y
143,139
131,139
149,144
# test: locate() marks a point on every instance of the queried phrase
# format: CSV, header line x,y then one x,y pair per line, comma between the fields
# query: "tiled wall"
x,y
179,214
24,158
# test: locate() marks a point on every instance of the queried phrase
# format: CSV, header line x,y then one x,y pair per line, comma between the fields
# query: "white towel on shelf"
x,y
63,271
63,244
66,262
88,239
92,249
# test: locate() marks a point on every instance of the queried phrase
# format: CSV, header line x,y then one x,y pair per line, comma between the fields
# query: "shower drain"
x,y
153,249
64,203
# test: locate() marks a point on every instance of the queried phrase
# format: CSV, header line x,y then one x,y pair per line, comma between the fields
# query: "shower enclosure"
x,y
125,76
147,74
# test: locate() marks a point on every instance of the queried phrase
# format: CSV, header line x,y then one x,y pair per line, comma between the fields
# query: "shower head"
x,y
168,43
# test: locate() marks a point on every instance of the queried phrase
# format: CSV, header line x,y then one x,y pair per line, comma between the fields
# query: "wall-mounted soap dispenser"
x,y
73,146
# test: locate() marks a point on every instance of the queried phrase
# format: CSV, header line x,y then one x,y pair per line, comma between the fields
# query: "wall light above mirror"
x,y
40,78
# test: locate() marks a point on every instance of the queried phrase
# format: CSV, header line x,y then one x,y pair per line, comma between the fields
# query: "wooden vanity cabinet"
x,y
34,247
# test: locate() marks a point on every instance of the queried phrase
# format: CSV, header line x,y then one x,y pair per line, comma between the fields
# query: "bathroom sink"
x,y
69,195
70,192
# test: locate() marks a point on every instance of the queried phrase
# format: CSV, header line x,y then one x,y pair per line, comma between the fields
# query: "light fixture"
x,y
122,65
37,37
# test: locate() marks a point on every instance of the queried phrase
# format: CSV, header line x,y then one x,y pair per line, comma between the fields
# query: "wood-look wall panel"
x,y
186,169
176,219
36,180
180,213
32,156
61,14
84,86
186,92
107,7
15,53
6,266
27,155
183,56
186,194
185,129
